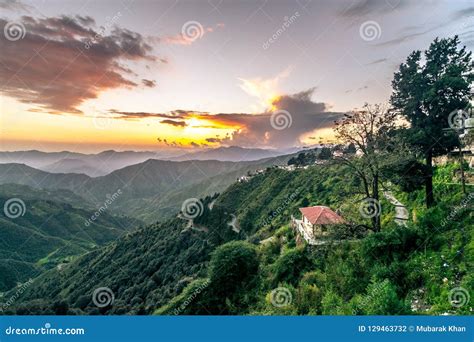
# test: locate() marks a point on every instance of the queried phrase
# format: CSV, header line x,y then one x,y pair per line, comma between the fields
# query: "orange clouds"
x,y
251,130
63,61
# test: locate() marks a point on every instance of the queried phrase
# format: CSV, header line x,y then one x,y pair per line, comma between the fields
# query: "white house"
x,y
314,222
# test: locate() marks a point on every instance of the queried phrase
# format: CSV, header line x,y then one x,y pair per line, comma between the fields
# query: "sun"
x,y
272,102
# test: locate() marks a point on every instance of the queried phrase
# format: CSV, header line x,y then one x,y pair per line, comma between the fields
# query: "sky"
x,y
89,76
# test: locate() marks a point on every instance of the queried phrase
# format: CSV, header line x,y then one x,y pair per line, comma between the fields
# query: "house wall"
x,y
319,230
306,221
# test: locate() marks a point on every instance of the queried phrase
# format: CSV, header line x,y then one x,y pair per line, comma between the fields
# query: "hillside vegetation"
x,y
157,269
50,231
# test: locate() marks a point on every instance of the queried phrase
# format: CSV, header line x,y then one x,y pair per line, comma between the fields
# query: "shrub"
x,y
290,266
332,304
233,264
382,299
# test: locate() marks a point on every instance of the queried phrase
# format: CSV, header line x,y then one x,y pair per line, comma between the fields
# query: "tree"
x,y
382,299
371,130
289,267
233,264
325,153
332,304
425,93
350,149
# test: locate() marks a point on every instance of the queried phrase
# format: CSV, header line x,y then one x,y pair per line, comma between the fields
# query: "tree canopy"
x,y
427,89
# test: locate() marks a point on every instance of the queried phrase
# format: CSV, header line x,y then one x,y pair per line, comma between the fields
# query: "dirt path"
x,y
401,212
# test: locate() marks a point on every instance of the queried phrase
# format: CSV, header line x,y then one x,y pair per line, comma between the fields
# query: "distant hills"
x,y
232,153
103,163
69,165
151,190
70,162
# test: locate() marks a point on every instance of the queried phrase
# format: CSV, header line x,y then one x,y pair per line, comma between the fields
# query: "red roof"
x,y
321,215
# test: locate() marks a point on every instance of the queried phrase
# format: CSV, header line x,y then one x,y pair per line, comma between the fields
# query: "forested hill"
x,y
240,249
47,228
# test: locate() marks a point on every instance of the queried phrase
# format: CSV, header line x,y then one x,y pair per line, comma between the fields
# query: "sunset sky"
x,y
94,75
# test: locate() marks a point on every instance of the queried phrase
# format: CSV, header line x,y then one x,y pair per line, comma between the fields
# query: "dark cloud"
x,y
169,143
174,123
213,140
304,114
413,31
175,114
363,7
14,5
377,61
463,13
403,38
86,20
148,83
63,61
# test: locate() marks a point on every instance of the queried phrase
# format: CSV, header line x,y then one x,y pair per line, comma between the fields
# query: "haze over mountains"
x,y
105,162
71,162
151,190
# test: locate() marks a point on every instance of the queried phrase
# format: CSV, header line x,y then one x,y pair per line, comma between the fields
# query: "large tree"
x,y
426,91
372,132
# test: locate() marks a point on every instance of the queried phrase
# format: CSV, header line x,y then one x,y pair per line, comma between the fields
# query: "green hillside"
x,y
214,268
49,232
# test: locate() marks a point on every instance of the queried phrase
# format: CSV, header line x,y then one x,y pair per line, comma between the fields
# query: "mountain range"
x,y
151,190
101,164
